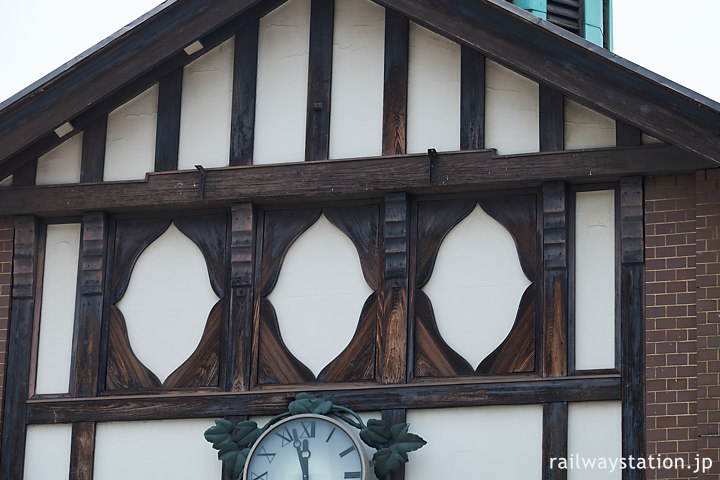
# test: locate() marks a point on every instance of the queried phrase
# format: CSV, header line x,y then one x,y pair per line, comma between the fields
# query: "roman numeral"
x,y
352,474
262,476
285,435
269,456
308,430
345,452
331,434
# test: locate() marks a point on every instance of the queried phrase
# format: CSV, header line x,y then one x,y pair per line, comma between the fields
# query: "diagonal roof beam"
x,y
576,67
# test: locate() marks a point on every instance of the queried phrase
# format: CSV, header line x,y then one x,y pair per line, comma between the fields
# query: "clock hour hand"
x,y
303,454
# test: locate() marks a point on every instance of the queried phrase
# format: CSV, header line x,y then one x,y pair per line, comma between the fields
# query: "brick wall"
x,y
682,228
6,239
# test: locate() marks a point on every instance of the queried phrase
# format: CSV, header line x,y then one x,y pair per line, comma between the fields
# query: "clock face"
x,y
306,447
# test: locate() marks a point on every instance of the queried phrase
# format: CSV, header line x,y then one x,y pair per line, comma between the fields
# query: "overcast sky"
x,y
37,36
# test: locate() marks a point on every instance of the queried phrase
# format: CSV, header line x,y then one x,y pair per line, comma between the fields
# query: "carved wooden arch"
x,y
275,364
433,357
124,371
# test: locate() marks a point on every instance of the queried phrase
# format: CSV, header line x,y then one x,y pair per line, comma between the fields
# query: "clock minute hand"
x,y
303,454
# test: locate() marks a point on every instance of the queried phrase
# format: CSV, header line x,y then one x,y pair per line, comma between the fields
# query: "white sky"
x,y
37,36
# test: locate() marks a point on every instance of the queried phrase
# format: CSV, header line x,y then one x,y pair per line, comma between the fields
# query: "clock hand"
x,y
303,454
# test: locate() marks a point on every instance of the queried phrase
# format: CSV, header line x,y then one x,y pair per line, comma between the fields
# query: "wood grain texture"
x,y
237,357
209,233
555,439
552,119
167,137
472,99
82,451
393,417
355,178
317,134
242,125
632,245
92,162
395,86
517,391
25,257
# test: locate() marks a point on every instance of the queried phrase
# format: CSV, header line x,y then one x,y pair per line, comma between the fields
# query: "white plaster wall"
x,y
594,432
479,442
151,450
206,109
47,452
57,314
321,288
648,140
7,181
586,128
476,286
512,111
358,77
61,164
433,92
595,279
167,302
130,144
281,99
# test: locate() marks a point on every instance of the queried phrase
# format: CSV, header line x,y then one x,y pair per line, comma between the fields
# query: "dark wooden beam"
x,y
393,417
317,133
555,439
395,88
167,138
25,175
353,178
361,398
472,100
242,129
25,261
632,319
93,151
82,451
627,135
552,120
557,58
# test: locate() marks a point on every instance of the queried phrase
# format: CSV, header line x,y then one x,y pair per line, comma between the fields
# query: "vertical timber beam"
x,y
395,89
626,135
239,337
82,451
472,100
393,417
317,140
632,319
242,129
93,150
25,261
25,175
555,439
552,120
167,139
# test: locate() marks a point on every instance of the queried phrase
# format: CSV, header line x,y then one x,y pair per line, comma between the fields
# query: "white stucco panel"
x,y
6,182
281,99
130,144
57,314
433,92
357,79
586,128
476,286
47,452
594,433
321,288
167,302
478,442
512,111
595,280
61,164
158,449
206,109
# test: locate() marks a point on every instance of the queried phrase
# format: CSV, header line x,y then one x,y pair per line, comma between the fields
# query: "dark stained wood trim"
x,y
627,135
557,58
555,439
552,119
89,311
393,317
167,138
25,175
472,99
25,260
354,178
317,133
93,150
555,268
361,398
82,451
632,295
237,358
395,89
242,129
393,417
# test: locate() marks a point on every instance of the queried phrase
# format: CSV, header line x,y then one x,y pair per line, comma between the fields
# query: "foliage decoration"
x,y
392,444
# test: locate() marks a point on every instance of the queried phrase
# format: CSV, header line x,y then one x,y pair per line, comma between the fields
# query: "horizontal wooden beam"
x,y
354,178
575,67
363,398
